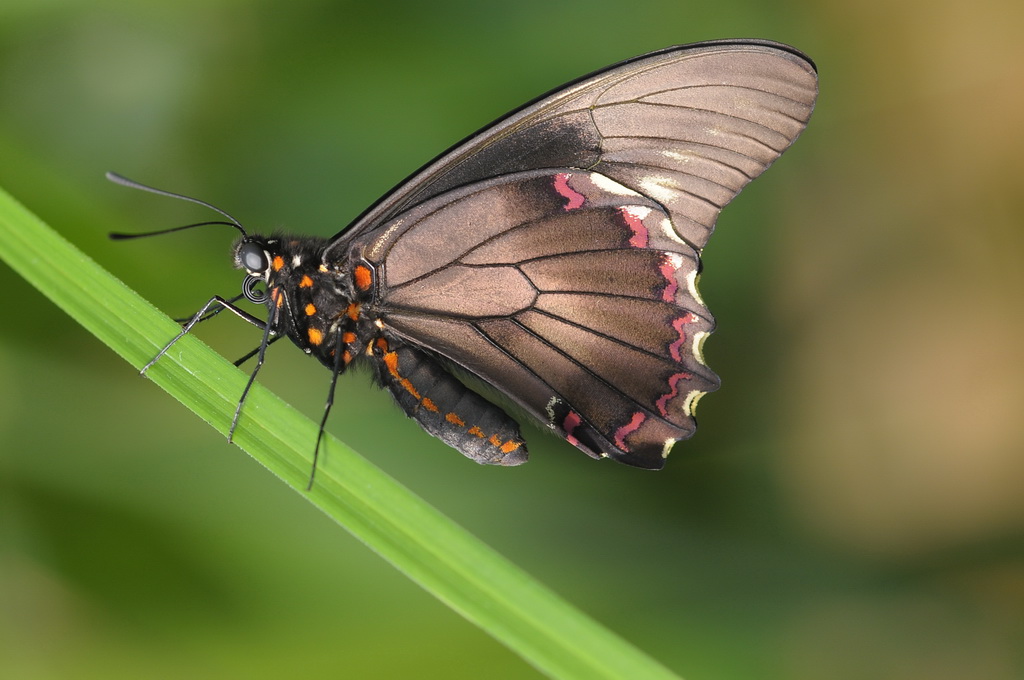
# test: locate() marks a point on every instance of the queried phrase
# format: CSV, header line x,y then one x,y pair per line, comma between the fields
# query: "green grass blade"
x,y
424,544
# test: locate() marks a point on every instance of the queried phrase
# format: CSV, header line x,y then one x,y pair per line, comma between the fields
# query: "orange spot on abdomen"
x,y
410,388
391,361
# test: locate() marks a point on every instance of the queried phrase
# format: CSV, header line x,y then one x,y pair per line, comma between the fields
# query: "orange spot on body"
x,y
310,309
410,388
454,419
305,282
352,312
348,338
430,405
391,361
363,277
276,296
494,440
316,336
346,356
476,432
278,263
509,446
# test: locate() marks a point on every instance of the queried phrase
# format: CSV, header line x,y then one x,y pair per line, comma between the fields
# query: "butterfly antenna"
x,y
132,184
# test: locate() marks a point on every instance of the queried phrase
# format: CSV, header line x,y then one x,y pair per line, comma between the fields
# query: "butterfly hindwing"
x,y
581,287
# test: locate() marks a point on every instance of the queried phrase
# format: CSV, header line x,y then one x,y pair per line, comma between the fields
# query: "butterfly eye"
x,y
253,258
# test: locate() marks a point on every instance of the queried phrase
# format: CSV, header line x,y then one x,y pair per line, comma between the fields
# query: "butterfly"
x,y
552,256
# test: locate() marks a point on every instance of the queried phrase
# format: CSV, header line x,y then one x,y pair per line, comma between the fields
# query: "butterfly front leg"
x,y
217,304
446,408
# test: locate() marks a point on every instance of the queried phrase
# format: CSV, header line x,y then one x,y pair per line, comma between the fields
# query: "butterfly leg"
x,y
260,353
339,366
251,353
218,304
446,408
215,312
201,315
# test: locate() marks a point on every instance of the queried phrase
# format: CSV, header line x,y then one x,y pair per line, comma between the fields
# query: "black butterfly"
x,y
553,256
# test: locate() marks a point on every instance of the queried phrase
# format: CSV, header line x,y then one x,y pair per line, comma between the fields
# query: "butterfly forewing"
x,y
688,126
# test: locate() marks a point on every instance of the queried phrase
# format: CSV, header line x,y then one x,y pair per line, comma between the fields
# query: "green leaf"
x,y
425,545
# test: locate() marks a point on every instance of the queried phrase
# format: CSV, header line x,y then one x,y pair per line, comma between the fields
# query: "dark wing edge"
x,y
557,130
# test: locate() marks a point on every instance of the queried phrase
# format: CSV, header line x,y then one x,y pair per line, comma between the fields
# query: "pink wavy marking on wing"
x,y
670,264
673,385
677,345
574,197
635,222
629,428
569,424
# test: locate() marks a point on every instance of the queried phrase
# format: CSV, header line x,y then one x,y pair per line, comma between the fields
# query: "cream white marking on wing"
x,y
690,403
698,345
670,232
640,212
678,156
691,284
373,252
550,408
611,186
661,189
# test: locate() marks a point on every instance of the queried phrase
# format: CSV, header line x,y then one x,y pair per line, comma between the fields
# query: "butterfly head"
x,y
252,255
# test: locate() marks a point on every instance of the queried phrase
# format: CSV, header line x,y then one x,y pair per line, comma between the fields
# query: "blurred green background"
x,y
852,506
